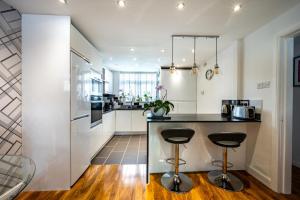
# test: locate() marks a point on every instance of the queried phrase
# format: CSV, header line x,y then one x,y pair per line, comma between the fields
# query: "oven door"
x,y
96,112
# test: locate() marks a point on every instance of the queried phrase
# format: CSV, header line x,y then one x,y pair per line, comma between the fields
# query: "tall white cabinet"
x,y
46,114
182,90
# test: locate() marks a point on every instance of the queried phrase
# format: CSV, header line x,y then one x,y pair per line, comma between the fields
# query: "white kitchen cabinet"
x,y
130,121
138,121
109,125
188,107
46,79
97,139
123,120
108,81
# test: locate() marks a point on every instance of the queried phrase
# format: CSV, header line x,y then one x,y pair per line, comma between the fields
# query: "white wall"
x,y
258,65
296,113
182,90
46,89
223,86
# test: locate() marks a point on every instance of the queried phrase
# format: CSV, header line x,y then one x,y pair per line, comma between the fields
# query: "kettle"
x,y
226,110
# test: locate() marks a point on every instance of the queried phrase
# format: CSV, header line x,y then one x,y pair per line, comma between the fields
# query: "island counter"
x,y
199,152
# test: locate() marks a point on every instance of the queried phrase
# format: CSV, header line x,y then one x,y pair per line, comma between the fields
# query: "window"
x,y
138,84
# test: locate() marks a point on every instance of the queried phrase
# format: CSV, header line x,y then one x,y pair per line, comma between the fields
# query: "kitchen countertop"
x,y
205,118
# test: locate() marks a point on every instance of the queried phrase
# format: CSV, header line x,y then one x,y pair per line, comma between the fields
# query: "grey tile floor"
x,y
125,149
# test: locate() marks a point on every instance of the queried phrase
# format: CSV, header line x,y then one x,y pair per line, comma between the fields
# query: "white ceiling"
x,y
147,26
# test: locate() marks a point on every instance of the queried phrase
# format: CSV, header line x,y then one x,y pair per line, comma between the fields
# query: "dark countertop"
x,y
205,118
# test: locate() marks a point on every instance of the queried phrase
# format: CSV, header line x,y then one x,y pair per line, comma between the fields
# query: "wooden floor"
x,y
127,182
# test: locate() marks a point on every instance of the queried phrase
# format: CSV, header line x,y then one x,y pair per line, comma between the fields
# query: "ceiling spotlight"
x,y
121,3
132,49
183,59
237,7
63,1
110,58
193,51
180,5
163,50
134,59
158,59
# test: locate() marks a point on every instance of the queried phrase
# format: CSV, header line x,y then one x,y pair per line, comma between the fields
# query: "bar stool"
x,y
223,179
175,181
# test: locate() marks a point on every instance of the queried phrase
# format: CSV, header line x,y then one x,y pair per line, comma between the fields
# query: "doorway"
x,y
288,115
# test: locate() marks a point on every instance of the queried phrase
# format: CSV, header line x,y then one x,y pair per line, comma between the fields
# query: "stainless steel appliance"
x,y
226,110
96,110
243,112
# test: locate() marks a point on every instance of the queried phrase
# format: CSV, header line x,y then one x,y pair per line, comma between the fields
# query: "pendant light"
x,y
195,67
172,68
216,68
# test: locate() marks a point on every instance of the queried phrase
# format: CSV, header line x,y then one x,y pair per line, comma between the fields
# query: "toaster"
x,y
243,112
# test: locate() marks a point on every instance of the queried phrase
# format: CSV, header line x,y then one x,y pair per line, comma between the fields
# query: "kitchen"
x,y
160,110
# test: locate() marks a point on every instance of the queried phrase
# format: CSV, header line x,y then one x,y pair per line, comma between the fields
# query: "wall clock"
x,y
209,74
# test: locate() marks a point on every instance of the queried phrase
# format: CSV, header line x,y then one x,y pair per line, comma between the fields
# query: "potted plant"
x,y
161,106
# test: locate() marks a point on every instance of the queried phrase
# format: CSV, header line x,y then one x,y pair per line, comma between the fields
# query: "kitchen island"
x,y
199,152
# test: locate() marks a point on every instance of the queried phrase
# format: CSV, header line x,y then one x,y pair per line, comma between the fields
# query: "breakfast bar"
x,y
199,152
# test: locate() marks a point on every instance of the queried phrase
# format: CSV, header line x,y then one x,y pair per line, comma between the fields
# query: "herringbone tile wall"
x,y
10,80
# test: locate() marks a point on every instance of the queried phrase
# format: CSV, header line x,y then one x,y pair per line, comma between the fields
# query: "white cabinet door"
x,y
123,120
97,139
109,125
187,107
138,121
80,143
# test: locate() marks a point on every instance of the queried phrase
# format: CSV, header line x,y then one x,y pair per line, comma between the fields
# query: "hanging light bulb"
x,y
216,67
195,67
172,68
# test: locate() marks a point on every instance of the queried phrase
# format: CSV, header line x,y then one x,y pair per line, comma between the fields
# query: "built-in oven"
x,y
96,110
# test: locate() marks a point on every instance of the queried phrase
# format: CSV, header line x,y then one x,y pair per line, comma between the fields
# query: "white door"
x,y
80,158
123,120
138,121
80,87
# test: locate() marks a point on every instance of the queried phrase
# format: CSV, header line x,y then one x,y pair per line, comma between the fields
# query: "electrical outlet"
x,y
263,85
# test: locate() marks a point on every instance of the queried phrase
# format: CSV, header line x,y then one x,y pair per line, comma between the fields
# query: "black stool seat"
x,y
178,135
230,140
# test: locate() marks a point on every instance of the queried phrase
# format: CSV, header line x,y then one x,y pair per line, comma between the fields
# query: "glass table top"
x,y
16,173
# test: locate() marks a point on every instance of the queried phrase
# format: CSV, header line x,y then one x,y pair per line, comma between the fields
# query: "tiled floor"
x,y
127,149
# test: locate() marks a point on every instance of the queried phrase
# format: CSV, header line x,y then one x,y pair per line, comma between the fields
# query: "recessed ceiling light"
x,y
183,59
193,51
158,59
134,59
121,3
237,7
132,49
63,1
163,50
110,58
180,5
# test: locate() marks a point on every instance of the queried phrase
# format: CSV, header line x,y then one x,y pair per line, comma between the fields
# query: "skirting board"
x,y
296,163
131,133
266,180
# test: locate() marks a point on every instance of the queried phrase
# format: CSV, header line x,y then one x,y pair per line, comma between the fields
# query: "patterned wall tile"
x,y
10,81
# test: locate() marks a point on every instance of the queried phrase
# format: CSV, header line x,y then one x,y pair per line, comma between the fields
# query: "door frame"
x,y
282,137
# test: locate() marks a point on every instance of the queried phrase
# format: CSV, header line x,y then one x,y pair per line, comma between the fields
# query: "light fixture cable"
x,y
194,68
216,69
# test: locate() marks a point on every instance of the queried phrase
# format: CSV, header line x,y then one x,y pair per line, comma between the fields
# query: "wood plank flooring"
x,y
127,182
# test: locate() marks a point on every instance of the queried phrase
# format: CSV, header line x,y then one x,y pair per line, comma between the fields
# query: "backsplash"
x,y
10,81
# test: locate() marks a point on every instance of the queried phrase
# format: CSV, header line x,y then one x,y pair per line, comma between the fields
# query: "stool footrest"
x,y
172,161
219,163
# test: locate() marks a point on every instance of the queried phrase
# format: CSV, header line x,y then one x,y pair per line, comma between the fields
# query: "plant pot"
x,y
159,113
